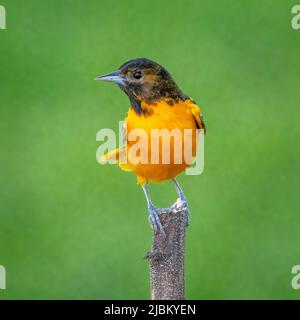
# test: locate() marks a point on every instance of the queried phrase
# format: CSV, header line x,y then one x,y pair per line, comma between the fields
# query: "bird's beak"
x,y
113,77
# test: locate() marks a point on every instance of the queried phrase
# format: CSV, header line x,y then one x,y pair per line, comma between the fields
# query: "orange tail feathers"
x,y
118,156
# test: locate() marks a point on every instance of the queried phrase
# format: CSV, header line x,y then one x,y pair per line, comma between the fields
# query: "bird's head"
x,y
145,80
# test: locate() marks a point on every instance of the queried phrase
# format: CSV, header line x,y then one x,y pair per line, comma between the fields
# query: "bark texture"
x,y
166,257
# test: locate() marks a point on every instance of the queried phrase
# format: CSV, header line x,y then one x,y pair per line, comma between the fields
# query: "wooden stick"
x,y
166,258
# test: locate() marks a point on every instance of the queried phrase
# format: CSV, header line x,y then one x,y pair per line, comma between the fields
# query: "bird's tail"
x,y
119,156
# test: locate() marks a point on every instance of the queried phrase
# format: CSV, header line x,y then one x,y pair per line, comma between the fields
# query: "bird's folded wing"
x,y
196,112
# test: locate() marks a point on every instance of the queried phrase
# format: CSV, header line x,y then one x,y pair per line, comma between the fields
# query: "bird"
x,y
156,102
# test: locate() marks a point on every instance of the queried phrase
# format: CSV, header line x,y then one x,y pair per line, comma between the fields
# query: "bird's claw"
x,y
155,220
154,213
182,205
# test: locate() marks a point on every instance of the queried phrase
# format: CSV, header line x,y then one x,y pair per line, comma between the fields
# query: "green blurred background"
x,y
70,228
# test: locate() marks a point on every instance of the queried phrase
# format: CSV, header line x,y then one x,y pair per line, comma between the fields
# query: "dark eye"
x,y
137,75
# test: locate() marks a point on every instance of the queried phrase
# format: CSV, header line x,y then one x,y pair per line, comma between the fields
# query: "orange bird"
x,y
157,103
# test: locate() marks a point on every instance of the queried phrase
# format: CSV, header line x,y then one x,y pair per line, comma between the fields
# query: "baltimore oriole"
x,y
156,103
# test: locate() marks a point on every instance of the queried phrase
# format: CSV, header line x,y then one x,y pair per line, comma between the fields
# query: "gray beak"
x,y
113,77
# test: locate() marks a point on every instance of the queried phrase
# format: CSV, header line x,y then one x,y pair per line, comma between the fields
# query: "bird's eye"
x,y
137,75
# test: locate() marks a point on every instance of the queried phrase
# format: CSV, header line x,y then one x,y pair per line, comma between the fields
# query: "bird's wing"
x,y
196,112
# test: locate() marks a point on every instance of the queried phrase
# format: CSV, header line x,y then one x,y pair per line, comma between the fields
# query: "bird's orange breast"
x,y
154,140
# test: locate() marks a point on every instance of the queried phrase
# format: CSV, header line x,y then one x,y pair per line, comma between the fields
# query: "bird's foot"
x,y
155,220
154,213
182,205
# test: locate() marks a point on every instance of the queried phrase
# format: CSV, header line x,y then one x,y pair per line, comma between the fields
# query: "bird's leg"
x,y
182,204
153,213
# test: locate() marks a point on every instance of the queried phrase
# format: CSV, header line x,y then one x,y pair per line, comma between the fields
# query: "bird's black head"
x,y
145,80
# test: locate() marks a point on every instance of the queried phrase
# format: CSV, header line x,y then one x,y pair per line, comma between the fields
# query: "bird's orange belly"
x,y
162,144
